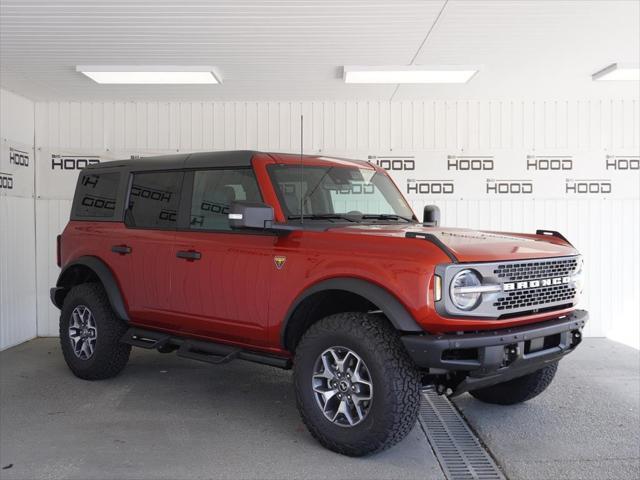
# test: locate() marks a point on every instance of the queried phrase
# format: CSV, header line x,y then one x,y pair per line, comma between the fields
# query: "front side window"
x,y
339,193
97,195
213,193
154,199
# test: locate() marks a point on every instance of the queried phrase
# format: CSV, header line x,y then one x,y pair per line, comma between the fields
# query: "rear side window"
x,y
154,199
213,193
96,195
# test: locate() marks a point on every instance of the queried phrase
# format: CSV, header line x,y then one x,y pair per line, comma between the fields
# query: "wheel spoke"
x,y
358,411
75,318
79,345
357,378
86,349
344,409
327,369
327,394
336,358
357,398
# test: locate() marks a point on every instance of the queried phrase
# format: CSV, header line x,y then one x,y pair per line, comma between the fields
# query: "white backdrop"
x,y
17,228
570,166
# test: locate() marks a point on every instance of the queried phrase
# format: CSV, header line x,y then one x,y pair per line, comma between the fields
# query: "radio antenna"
x,y
301,168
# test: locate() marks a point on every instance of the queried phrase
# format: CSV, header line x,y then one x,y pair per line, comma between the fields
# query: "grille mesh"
x,y
511,272
535,297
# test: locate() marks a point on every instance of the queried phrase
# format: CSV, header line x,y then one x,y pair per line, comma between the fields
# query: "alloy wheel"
x,y
83,332
342,386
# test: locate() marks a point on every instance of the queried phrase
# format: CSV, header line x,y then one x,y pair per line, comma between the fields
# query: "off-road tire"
x,y
519,389
396,383
110,356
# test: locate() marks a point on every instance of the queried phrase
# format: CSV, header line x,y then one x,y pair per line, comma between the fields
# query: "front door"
x,y
221,280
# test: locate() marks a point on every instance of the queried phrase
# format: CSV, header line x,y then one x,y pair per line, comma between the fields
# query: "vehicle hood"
x,y
474,245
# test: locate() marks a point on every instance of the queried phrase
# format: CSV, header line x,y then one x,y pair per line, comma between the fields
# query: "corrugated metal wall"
x,y
17,226
603,226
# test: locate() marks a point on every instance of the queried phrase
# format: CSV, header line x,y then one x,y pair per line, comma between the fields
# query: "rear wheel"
x,y
90,334
519,389
356,388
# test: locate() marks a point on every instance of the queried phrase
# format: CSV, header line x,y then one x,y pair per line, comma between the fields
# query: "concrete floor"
x,y
586,425
166,417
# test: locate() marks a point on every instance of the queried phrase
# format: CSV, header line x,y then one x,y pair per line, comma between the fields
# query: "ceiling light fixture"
x,y
618,72
146,74
409,74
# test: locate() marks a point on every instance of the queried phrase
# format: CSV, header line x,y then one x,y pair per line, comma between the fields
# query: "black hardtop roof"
x,y
232,158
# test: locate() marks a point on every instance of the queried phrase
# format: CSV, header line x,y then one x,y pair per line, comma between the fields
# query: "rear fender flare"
x,y
106,277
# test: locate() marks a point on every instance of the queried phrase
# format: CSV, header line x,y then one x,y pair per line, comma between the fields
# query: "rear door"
x,y
146,246
221,280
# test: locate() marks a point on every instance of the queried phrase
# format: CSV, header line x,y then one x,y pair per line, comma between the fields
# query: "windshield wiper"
x,y
386,216
321,216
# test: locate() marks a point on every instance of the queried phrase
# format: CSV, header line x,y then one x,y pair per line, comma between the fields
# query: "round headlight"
x,y
462,282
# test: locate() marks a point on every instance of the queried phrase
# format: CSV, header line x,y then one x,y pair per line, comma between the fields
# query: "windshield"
x,y
339,193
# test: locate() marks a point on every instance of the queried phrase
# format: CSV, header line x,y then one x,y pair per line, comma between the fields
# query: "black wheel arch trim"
x,y
108,280
390,306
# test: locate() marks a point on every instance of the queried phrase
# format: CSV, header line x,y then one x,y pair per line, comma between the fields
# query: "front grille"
x,y
526,287
511,272
536,270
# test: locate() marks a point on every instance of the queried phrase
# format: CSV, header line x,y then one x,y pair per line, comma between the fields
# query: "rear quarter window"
x,y
154,199
96,195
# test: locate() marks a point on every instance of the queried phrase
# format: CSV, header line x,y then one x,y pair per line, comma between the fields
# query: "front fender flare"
x,y
104,274
390,306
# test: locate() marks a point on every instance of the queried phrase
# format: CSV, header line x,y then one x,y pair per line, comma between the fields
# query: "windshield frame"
x,y
351,220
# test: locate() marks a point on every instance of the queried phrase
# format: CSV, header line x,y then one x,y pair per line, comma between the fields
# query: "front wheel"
x,y
519,389
357,389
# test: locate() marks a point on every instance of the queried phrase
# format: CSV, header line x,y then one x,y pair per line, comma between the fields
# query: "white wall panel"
x,y
51,217
17,225
604,226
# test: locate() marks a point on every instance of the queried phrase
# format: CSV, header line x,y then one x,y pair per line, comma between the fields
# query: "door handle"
x,y
121,249
190,255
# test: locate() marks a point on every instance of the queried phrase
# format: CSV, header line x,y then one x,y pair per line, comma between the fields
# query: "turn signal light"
x,y
437,288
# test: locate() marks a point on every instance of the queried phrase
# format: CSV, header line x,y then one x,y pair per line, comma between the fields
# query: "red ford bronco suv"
x,y
313,263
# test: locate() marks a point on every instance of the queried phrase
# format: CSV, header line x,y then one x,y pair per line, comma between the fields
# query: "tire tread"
x,y
519,389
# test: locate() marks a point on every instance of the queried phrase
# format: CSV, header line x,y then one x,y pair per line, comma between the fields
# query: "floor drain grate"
x,y
456,447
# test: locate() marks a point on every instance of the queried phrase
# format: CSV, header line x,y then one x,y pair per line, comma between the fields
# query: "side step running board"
x,y
211,352
145,339
208,352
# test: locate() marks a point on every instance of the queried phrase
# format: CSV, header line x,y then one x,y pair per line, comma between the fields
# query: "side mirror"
x,y
254,215
431,216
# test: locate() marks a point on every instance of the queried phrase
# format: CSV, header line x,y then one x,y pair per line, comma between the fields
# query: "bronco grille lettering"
x,y
545,282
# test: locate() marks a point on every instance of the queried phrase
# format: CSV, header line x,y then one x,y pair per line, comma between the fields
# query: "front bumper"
x,y
496,356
